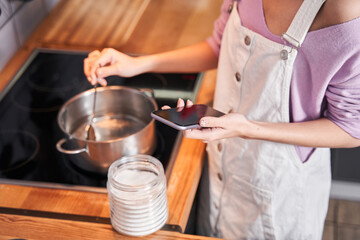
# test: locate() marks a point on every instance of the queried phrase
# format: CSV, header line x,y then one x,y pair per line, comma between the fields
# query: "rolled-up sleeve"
x,y
343,97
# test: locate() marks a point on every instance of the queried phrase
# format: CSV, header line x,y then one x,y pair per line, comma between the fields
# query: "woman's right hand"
x,y
180,104
215,128
99,65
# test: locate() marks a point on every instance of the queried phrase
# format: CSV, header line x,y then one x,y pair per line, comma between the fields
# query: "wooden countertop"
x,y
134,26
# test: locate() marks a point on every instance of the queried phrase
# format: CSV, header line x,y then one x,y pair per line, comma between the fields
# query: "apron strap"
x,y
302,21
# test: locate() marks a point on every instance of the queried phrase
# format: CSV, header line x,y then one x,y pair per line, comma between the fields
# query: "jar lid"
x,y
136,172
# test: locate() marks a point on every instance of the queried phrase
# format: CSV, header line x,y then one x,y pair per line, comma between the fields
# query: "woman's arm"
x,y
195,58
315,133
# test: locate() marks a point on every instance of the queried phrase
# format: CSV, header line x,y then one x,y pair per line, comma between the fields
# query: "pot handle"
x,y
63,150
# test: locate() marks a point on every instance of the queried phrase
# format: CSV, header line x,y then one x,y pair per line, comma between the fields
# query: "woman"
x,y
288,79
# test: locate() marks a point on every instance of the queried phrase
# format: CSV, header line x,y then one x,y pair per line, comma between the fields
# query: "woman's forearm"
x,y
316,133
195,58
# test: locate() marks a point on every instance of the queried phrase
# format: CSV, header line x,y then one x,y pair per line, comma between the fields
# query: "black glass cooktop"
x,y
28,120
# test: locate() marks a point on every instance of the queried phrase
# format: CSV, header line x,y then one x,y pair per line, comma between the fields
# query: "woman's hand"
x,y
99,65
195,58
215,128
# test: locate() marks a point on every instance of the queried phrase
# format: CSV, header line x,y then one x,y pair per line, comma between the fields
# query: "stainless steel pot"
x,y
123,126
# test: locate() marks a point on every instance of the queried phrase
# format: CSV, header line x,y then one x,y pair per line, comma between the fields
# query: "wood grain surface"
x,y
17,226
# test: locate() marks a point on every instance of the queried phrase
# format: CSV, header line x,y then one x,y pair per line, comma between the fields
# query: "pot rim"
x,y
88,92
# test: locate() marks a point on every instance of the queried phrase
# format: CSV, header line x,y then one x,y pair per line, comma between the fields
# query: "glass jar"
x,y
137,195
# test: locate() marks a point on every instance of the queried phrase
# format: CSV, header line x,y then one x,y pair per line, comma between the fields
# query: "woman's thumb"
x,y
210,122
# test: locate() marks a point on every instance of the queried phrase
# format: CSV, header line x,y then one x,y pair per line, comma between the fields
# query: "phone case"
x,y
172,124
187,118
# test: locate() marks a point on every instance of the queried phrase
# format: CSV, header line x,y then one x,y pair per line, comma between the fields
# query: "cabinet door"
x,y
9,43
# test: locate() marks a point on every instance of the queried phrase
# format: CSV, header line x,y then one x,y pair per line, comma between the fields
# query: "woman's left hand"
x,y
215,128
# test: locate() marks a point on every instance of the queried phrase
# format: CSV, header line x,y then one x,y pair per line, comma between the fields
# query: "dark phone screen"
x,y
188,116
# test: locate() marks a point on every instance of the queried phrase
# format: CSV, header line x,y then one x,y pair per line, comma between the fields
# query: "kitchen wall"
x,y
18,19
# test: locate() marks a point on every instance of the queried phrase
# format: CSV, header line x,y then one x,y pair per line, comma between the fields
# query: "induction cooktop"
x,y
28,121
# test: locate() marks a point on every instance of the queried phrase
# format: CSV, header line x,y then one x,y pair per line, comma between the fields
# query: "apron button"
x,y
216,205
219,147
220,177
238,76
284,54
247,40
230,8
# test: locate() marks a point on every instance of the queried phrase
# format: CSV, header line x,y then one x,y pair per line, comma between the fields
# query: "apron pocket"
x,y
246,211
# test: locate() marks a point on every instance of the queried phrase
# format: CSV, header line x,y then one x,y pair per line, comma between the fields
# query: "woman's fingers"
x,y
88,62
205,134
189,103
94,53
180,103
102,81
89,70
208,122
165,107
97,60
102,72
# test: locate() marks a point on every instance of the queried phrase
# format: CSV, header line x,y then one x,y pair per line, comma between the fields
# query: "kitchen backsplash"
x,y
18,19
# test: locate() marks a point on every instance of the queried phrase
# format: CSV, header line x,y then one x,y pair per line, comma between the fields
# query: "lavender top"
x,y
326,75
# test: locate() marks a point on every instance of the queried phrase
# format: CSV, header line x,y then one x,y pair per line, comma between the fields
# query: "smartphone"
x,y
186,117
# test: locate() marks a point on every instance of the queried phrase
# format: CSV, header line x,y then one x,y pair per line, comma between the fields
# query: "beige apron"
x,y
260,189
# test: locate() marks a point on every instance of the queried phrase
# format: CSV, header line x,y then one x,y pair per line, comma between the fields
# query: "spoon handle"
x,y
94,103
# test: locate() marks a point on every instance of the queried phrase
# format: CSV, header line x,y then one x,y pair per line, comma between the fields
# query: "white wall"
x,y
18,20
